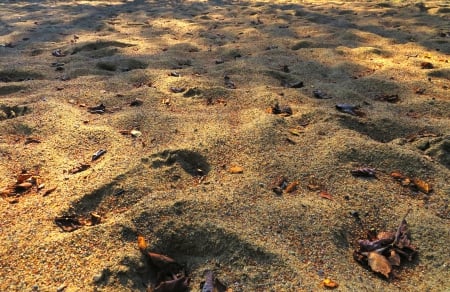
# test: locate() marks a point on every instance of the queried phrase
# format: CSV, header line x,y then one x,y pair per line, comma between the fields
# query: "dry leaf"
x,y
142,244
49,191
326,195
379,264
236,169
294,131
24,186
330,284
397,175
422,186
394,258
177,285
291,187
23,177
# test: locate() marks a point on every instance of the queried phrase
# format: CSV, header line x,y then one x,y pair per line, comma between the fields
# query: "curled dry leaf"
x,y
291,187
49,191
379,264
422,186
329,284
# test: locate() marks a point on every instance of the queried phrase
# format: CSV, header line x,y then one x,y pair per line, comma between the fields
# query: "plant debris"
x,y
385,250
350,109
392,98
326,195
212,284
413,183
426,65
99,154
71,223
235,169
329,284
79,168
364,172
276,109
317,93
178,89
58,53
25,183
99,109
170,276
282,185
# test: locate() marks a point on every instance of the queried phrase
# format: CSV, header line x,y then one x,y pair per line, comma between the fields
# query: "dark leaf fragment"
x,y
69,223
99,109
350,109
392,98
364,172
79,168
320,94
178,89
180,284
58,53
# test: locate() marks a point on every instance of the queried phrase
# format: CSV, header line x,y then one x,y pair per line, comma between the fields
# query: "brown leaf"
x,y
23,186
49,191
326,195
291,187
162,262
394,258
379,264
422,186
23,177
69,223
397,175
177,285
79,168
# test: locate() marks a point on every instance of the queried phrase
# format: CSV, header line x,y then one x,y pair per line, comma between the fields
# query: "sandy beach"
x,y
257,139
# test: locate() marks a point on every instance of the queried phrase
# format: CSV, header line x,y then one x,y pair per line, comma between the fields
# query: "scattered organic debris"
x,y
384,250
99,109
178,89
419,90
317,93
212,284
192,92
58,53
98,154
392,98
29,140
364,172
71,223
170,276
228,83
296,84
414,183
326,195
281,184
329,284
276,109
79,168
350,109
25,183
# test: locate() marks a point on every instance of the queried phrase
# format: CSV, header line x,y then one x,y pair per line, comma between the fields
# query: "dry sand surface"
x,y
170,181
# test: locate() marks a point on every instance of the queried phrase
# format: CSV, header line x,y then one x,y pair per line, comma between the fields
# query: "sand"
x,y
170,181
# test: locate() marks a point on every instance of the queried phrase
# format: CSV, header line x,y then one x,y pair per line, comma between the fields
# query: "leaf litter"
x,y
386,250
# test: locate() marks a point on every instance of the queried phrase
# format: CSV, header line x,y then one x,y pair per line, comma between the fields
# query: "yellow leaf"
x,y
422,186
236,169
379,264
142,244
330,284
